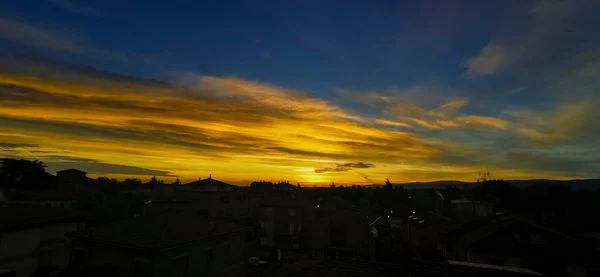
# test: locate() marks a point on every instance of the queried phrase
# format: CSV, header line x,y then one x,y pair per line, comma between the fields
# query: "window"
x,y
141,268
537,239
262,224
202,212
299,227
209,256
292,227
79,258
227,250
496,261
292,212
181,265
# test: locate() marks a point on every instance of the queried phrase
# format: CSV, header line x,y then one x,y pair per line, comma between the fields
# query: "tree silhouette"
x,y
133,182
177,182
388,185
24,174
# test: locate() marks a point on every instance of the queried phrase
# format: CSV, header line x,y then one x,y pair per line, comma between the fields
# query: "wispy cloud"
x,y
75,7
526,40
31,35
490,60
344,167
570,121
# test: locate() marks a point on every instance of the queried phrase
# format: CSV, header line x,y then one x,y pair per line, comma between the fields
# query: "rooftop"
x,y
209,182
18,217
478,229
47,195
71,170
158,231
355,267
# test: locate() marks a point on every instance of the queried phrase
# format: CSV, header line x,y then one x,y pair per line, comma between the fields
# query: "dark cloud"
x,y
344,167
304,152
16,145
105,168
356,165
583,167
365,177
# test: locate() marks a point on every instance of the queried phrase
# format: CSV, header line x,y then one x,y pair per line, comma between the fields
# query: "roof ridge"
x,y
162,235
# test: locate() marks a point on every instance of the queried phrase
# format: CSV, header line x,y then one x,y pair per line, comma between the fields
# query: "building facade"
x,y
167,245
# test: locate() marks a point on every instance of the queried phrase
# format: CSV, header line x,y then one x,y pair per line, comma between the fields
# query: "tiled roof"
x,y
50,195
209,182
476,230
158,231
15,216
71,170
349,267
353,267
426,219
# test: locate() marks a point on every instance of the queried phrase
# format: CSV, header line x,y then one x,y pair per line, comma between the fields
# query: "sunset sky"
x,y
307,91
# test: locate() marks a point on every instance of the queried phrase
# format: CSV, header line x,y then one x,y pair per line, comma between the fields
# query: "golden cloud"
x,y
240,129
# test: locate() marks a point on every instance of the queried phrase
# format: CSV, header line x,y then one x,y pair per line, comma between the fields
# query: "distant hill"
x,y
591,184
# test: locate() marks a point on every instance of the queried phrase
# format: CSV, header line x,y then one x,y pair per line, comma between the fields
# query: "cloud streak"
x,y
31,35
215,125
344,167
74,7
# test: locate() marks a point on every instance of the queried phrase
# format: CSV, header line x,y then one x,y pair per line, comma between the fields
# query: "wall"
x,y
17,251
67,204
221,263
161,262
484,258
27,250
55,248
122,258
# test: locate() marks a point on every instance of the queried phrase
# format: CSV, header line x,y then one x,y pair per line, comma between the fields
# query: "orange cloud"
x,y
482,120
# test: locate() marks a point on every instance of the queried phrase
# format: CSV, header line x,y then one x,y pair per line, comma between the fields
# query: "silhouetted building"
x,y
261,186
160,245
75,181
48,198
208,184
510,240
71,175
345,233
33,238
469,208
338,267
283,224
421,232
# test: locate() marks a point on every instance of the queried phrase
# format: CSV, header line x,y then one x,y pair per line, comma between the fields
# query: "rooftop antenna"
x,y
483,176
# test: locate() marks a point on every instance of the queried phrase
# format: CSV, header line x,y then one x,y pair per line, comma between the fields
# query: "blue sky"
x,y
529,64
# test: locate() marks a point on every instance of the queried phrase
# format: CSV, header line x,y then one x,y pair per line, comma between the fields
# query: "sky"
x,y
353,92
